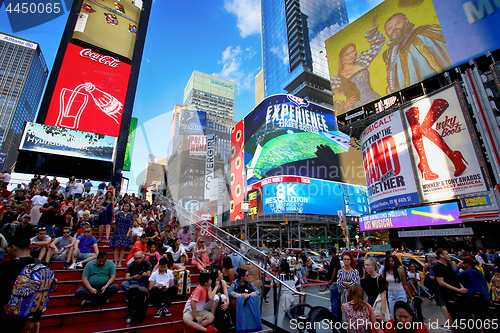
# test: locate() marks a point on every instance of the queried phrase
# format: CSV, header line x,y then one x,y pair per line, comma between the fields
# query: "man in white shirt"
x,y
78,189
162,289
37,201
6,179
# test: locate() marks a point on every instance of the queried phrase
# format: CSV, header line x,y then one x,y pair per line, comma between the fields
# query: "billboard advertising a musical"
x,y
388,167
442,147
197,145
111,25
412,217
89,93
61,141
303,195
286,135
192,121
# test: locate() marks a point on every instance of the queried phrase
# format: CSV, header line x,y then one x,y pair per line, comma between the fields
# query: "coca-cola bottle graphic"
x,y
71,106
104,101
73,103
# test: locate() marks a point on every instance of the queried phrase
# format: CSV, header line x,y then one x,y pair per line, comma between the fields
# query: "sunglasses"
x,y
201,242
87,232
66,232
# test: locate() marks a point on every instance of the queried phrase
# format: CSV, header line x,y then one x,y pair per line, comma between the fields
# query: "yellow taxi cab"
x,y
405,258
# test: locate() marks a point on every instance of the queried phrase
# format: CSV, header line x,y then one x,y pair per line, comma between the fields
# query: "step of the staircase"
x,y
75,314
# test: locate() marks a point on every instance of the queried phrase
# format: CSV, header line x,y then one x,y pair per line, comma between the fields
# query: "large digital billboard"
x,y
237,169
62,141
89,93
442,147
412,217
388,168
285,134
110,25
293,194
389,48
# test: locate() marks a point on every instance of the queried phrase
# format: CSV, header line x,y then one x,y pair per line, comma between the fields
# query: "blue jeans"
x,y
394,296
127,284
334,300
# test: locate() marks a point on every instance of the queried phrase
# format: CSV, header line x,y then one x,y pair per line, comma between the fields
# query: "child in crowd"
x,y
195,317
152,256
495,289
136,231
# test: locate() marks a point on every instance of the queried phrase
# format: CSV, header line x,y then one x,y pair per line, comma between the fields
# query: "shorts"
x,y
60,257
440,300
83,256
204,314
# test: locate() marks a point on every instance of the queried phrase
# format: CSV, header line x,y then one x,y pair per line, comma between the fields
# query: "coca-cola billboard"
x,y
89,93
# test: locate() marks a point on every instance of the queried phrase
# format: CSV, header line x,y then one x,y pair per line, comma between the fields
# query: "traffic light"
x,y
343,228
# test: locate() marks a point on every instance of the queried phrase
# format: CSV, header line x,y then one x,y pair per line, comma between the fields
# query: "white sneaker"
x,y
79,264
72,266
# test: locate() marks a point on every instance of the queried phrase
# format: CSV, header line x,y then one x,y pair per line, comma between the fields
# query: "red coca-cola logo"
x,y
105,60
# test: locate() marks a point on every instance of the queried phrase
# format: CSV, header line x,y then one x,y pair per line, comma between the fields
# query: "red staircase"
x,y
64,313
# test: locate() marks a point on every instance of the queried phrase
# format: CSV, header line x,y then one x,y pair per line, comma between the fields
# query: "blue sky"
x,y
219,37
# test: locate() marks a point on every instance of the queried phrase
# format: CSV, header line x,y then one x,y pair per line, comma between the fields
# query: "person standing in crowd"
x,y
19,254
395,276
449,285
289,297
121,237
101,188
138,272
375,285
162,289
49,211
107,216
37,202
413,278
98,277
472,278
347,276
88,186
359,314
78,189
333,270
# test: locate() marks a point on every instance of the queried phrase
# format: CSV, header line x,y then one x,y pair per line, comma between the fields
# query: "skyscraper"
x,y
23,74
293,46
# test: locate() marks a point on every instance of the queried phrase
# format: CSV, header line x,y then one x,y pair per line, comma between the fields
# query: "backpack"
x,y
30,293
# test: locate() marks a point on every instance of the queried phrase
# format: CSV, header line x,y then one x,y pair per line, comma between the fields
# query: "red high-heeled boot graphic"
x,y
412,115
437,108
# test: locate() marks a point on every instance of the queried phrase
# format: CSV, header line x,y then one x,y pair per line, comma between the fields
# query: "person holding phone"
x,y
162,289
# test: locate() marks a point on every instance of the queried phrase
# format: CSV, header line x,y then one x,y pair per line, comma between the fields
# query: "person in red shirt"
x,y
140,246
195,317
405,320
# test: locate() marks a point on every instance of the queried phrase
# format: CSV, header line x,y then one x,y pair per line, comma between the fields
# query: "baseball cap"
x,y
27,216
186,227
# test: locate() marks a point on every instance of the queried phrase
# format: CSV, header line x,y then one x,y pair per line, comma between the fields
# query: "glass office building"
x,y
23,73
293,46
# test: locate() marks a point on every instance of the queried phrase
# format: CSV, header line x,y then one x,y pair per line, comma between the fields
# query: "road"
x,y
433,318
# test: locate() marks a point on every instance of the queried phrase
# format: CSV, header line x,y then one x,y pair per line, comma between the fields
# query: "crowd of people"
x,y
45,222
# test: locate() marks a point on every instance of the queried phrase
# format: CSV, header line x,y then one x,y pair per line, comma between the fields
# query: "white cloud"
x,y
248,14
233,69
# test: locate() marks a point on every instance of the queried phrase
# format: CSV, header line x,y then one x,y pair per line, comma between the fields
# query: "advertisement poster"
x,y
286,135
469,26
210,167
130,144
207,221
412,217
197,145
89,93
442,149
192,121
61,141
303,195
237,171
106,25
389,174
393,46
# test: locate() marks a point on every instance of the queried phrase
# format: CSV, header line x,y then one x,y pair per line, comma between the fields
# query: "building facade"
x,y
293,46
23,73
208,111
